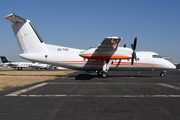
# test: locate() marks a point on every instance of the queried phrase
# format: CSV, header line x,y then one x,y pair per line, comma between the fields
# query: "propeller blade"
x,y
132,59
133,46
135,42
124,45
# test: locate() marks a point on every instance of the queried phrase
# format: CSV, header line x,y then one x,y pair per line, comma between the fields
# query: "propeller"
x,y
124,45
133,46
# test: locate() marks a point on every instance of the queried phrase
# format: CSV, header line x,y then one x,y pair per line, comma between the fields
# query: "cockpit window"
x,y
156,56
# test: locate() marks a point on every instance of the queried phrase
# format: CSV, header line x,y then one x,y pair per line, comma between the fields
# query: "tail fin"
x,y
4,59
27,37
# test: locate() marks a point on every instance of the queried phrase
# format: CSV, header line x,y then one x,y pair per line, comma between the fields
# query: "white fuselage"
x,y
69,58
17,64
25,65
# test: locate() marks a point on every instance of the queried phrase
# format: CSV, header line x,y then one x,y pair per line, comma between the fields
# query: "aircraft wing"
x,y
106,50
109,44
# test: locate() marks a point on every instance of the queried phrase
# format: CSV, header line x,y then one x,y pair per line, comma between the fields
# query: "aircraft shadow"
x,y
84,76
131,76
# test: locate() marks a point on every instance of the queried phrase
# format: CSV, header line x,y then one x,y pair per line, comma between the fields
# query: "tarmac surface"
x,y
86,96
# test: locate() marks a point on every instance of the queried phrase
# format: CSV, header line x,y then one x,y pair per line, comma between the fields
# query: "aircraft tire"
x,y
162,74
104,74
99,73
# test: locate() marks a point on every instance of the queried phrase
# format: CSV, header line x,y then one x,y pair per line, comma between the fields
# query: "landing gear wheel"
x,y
104,74
162,74
99,73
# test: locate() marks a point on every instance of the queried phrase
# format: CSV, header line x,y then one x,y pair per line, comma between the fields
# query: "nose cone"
x,y
171,65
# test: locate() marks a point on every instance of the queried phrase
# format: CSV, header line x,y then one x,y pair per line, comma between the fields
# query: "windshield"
x,y
156,56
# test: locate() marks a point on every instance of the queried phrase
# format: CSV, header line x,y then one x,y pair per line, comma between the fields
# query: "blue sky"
x,y
85,23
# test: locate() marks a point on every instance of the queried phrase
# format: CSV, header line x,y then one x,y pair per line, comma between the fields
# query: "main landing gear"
x,y
106,67
163,73
19,68
103,74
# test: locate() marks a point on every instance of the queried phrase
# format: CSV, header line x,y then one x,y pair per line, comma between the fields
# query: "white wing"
x,y
109,44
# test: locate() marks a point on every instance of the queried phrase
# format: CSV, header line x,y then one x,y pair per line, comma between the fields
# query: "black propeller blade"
x,y
133,46
132,59
135,42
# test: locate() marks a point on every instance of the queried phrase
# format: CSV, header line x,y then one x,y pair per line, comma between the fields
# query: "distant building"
x,y
177,65
169,58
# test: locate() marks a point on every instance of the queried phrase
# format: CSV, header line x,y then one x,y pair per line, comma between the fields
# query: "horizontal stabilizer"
x,y
14,18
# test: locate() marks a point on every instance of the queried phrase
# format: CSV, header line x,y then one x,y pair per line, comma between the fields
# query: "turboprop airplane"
x,y
108,56
21,65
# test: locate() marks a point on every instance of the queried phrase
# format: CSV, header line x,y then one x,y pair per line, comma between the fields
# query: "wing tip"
x,y
114,37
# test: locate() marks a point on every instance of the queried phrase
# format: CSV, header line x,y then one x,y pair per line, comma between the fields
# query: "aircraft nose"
x,y
171,66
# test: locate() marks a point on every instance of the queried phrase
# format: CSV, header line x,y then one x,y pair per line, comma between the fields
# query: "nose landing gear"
x,y
163,73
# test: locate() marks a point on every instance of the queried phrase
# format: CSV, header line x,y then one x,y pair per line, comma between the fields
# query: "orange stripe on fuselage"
x,y
101,63
81,62
104,56
137,64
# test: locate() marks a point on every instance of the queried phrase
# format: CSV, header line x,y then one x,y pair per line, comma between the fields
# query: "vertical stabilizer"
x,y
27,37
4,59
